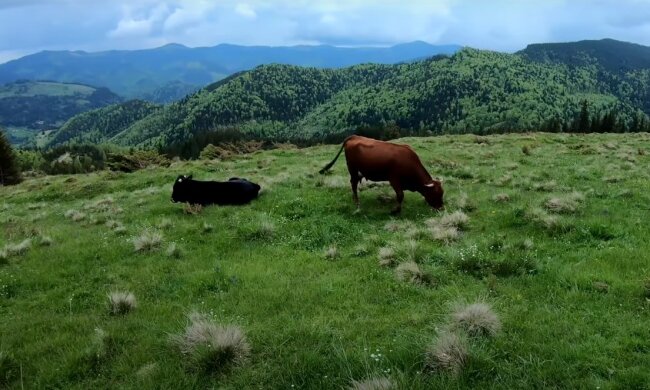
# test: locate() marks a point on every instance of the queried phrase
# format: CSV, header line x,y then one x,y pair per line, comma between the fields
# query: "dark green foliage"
x,y
9,170
102,124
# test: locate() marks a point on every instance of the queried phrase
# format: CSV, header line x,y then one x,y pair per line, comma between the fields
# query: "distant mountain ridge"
x,y
140,73
614,56
471,91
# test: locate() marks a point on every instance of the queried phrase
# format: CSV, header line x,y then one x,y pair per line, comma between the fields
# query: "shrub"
x,y
448,352
9,170
373,384
147,241
477,319
121,302
210,346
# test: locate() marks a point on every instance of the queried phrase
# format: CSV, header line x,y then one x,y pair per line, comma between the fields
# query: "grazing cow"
x,y
234,191
385,161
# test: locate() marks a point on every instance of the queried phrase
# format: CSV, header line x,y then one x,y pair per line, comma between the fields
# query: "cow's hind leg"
x,y
354,182
399,196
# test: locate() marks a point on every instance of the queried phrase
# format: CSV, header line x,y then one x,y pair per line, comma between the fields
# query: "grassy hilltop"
x,y
555,240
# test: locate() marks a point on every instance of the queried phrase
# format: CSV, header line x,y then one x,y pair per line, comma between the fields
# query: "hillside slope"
x,y
139,73
555,240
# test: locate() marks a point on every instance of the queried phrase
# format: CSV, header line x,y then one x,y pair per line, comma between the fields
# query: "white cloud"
x,y
245,10
188,14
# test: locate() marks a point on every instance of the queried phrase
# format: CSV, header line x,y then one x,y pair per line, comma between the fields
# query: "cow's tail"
x,y
331,164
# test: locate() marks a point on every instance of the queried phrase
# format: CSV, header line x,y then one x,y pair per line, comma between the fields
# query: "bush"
x,y
9,170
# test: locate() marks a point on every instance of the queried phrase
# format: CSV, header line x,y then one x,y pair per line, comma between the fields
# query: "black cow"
x,y
235,191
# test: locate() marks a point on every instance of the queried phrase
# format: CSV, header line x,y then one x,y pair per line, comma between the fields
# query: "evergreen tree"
x,y
9,172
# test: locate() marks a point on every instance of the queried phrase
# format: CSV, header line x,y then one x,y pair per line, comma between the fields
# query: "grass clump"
x,y
332,253
75,215
477,319
446,235
380,383
449,352
206,227
565,204
212,347
174,251
192,209
165,223
411,272
501,198
386,256
147,241
121,302
11,250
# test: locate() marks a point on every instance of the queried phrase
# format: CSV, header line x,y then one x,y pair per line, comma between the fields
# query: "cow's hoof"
x,y
395,211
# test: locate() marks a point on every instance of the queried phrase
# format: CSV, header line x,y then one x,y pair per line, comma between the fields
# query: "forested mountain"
x,y
471,91
27,107
613,56
99,125
140,73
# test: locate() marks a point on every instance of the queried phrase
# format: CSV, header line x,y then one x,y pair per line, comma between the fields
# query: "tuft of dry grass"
x,y
121,302
210,346
379,383
266,228
411,272
546,186
410,249
464,204
75,215
565,204
45,240
332,253
11,250
174,251
360,250
477,319
206,227
542,218
449,352
192,209
147,241
392,226
501,198
386,256
457,219
446,235
165,223
503,180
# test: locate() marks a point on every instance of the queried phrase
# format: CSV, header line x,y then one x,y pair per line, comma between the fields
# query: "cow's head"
x,y
432,193
179,192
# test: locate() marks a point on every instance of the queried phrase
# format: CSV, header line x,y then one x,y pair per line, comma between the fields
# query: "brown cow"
x,y
385,161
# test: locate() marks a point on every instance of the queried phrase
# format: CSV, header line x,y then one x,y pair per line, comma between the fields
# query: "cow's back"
x,y
378,160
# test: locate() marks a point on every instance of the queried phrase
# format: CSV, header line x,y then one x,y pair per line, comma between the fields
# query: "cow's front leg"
x,y
399,194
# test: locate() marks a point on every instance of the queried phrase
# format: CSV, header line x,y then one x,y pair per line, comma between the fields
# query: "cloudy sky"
x,y
28,26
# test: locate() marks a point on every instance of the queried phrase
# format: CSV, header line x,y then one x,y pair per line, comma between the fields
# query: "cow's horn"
x,y
429,185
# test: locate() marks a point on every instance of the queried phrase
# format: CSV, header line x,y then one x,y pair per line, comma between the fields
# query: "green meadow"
x,y
548,233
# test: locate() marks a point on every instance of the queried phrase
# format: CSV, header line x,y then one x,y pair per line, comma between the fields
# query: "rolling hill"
x,y
472,91
30,106
140,73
